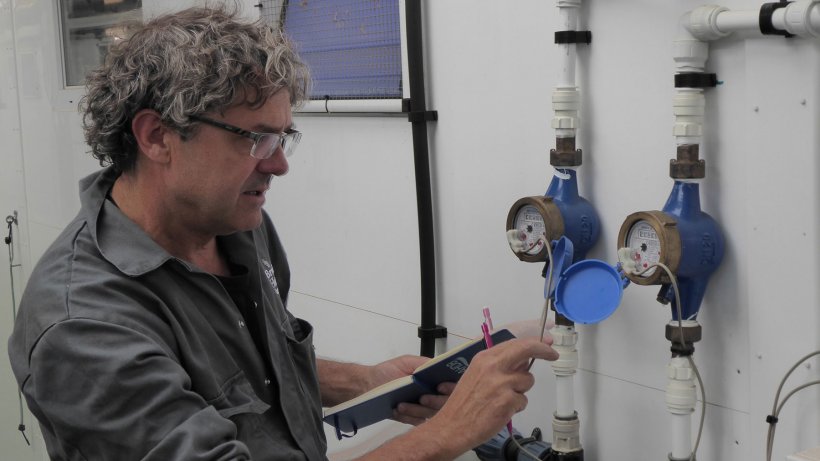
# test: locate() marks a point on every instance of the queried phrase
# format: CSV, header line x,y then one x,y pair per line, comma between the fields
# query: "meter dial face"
x,y
530,225
644,240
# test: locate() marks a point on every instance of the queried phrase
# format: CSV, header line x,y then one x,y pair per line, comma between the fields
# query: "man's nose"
x,y
276,164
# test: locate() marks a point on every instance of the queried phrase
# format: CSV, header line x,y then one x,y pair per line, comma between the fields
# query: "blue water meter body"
x,y
701,247
581,223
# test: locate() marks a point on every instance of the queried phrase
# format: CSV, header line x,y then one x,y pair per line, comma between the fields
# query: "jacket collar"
x,y
120,241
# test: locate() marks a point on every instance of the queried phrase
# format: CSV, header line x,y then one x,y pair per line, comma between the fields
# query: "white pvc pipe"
x,y
727,22
738,21
681,436
565,394
814,18
569,21
352,106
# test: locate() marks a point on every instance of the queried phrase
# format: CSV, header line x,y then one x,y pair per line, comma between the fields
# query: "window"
x,y
89,27
353,47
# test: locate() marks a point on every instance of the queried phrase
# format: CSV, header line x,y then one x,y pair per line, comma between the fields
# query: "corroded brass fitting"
x,y
687,165
565,154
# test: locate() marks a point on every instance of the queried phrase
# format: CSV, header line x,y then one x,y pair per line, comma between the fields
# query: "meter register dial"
x,y
537,221
653,238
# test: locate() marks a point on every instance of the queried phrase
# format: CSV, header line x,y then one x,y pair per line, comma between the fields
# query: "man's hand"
x,y
410,413
428,406
394,368
488,394
491,390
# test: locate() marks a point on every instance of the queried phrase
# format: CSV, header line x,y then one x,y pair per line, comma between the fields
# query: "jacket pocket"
x,y
238,397
299,338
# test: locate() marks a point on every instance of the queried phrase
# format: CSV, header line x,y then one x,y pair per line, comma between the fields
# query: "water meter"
x,y
537,221
653,238
682,237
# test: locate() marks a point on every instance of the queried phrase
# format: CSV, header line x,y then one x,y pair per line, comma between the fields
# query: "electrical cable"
x,y
544,315
674,281
548,300
11,220
777,406
524,450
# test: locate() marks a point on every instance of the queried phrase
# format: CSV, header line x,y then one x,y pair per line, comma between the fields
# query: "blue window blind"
x,y
353,47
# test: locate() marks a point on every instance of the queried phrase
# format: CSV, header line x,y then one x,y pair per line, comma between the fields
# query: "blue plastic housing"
x,y
581,223
702,248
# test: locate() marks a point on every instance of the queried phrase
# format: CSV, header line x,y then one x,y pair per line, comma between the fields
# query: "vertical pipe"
x,y
424,201
565,405
681,436
569,21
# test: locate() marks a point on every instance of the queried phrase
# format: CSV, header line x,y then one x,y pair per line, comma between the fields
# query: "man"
x,y
155,327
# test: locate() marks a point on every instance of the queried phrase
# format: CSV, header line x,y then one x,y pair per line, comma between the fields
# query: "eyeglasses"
x,y
264,144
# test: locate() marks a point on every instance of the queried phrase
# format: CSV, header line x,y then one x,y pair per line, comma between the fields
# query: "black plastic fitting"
x,y
561,456
433,333
695,80
564,37
765,19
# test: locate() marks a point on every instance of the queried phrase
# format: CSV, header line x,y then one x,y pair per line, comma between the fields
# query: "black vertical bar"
x,y
424,201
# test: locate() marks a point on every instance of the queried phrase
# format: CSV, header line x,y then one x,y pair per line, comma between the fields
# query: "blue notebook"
x,y
378,404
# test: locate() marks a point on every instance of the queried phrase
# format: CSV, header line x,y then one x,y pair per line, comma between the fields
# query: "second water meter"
x,y
653,238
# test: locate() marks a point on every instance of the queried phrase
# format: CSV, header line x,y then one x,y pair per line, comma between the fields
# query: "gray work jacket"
x,y
124,352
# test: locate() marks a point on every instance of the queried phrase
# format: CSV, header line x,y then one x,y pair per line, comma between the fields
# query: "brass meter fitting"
x,y
565,154
688,165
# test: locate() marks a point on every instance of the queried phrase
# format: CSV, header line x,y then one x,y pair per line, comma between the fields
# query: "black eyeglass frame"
x,y
287,140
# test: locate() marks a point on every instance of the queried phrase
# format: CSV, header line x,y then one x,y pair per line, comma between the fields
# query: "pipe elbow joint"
x,y
701,22
695,29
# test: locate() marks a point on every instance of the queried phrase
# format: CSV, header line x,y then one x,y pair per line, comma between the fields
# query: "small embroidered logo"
x,y
267,268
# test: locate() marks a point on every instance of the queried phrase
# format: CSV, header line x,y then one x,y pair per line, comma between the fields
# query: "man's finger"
x,y
446,388
517,350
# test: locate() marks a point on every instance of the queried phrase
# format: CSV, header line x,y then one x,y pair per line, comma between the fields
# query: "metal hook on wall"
x,y
11,219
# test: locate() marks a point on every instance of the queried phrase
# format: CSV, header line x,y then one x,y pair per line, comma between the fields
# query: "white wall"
x,y
346,211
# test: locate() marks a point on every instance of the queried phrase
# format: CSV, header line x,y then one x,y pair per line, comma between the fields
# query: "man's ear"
x,y
150,132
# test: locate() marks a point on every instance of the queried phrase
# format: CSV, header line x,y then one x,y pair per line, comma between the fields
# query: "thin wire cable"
x,y
548,300
674,282
777,406
770,442
524,450
544,315
12,221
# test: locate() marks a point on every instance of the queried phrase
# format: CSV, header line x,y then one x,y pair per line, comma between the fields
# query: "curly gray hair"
x,y
184,64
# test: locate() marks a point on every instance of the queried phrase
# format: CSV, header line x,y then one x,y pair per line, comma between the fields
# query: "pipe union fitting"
x,y
566,99
564,123
689,103
566,434
679,373
798,18
563,338
566,364
687,129
690,55
569,3
680,398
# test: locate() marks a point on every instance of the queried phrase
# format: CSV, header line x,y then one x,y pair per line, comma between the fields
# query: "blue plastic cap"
x,y
562,250
588,291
